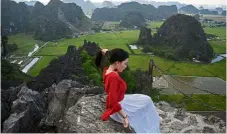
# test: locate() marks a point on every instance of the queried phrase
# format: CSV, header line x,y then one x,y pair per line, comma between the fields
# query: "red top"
x,y
115,88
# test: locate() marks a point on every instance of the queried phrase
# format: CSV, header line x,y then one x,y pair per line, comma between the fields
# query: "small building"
x,y
133,46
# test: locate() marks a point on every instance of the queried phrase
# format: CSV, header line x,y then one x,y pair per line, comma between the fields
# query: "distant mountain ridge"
x,y
108,4
54,21
148,11
87,6
189,9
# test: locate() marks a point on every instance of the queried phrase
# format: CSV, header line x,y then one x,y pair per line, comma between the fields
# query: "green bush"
x,y
96,78
129,78
147,49
90,69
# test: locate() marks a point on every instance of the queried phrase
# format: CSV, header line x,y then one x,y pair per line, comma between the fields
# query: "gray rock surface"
x,y
26,112
70,107
181,121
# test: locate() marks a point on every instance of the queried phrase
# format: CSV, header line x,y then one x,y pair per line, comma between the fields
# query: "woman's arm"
x,y
122,113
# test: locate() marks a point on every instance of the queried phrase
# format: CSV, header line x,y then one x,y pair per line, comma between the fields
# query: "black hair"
x,y
114,55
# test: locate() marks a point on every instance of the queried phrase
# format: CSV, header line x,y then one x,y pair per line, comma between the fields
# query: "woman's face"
x,y
122,65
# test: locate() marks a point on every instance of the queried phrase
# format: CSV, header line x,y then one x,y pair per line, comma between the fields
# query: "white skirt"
x,y
141,112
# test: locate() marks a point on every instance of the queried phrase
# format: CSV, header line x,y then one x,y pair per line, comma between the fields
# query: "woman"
x,y
135,110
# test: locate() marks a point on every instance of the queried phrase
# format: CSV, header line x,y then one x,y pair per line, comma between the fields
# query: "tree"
x,y
145,37
4,46
7,48
196,17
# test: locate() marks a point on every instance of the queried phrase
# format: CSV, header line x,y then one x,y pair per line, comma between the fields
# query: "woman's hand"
x,y
103,51
125,122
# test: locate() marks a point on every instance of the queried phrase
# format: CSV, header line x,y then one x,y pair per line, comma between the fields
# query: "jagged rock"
x,y
5,111
167,120
180,114
68,66
7,98
95,90
164,106
26,111
162,114
176,126
76,84
65,95
85,117
208,130
192,120
75,108
212,119
56,106
188,131
178,120
194,130
90,47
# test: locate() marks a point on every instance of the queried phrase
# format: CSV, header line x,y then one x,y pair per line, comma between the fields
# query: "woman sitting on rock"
x,y
135,110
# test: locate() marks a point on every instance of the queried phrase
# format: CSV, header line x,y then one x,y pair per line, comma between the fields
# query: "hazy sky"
x,y
197,2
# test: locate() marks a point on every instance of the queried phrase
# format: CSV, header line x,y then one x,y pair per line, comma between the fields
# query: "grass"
x,y
188,69
43,62
219,46
25,43
208,99
106,40
138,61
217,69
52,51
112,40
111,25
215,17
138,51
154,24
219,31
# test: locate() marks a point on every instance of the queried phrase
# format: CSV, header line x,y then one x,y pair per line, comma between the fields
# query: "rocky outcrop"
x,y
145,36
133,20
182,37
68,66
175,120
26,111
90,47
72,107
60,98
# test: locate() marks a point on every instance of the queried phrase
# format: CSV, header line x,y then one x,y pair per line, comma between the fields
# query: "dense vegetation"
x,y
180,37
133,19
11,75
6,47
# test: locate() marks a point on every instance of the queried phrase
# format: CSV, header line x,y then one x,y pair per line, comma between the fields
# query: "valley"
x,y
177,56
